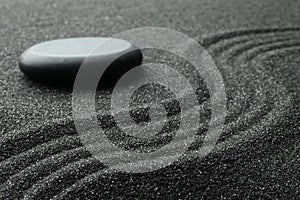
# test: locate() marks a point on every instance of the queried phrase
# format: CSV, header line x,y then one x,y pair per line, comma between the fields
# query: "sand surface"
x,y
256,45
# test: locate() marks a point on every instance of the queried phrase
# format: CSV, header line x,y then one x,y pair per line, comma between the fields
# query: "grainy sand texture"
x,y
256,46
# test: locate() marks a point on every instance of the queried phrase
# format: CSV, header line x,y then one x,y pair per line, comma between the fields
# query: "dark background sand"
x,y
40,153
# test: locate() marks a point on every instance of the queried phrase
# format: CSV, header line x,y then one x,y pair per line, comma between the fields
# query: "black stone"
x,y
58,61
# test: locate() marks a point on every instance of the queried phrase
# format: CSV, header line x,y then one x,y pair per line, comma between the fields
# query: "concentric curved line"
x,y
53,183
25,178
18,162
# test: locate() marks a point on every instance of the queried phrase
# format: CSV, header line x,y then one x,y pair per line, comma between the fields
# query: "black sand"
x,y
256,45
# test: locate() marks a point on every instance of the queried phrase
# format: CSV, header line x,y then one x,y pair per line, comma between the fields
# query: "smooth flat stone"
x,y
58,61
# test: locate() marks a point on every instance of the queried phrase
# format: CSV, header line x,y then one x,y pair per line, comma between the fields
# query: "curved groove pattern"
x,y
50,161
